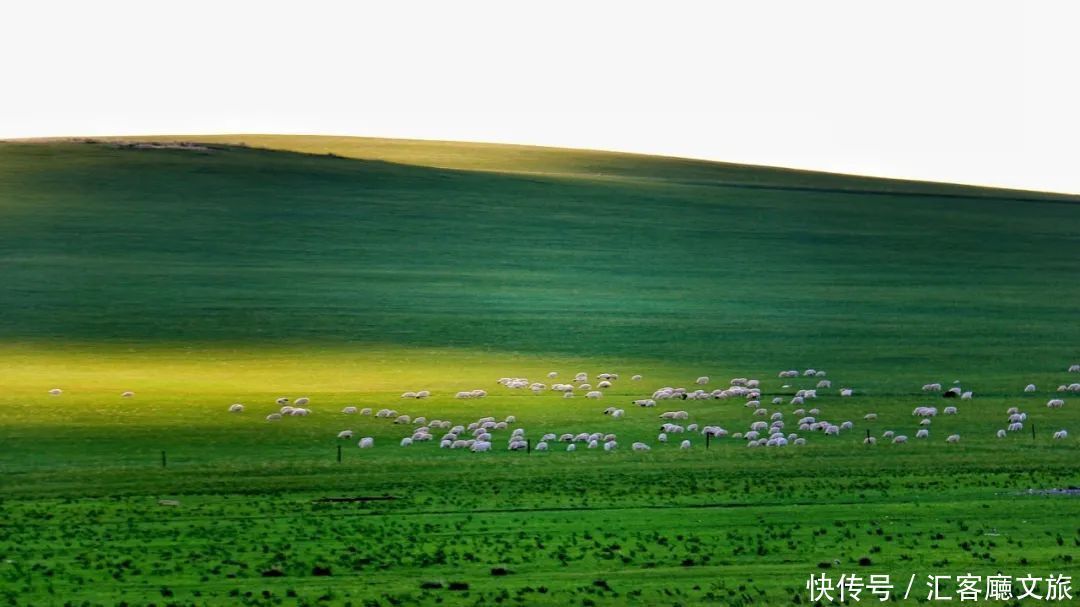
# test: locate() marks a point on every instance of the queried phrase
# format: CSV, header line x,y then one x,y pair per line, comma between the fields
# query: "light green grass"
x,y
240,275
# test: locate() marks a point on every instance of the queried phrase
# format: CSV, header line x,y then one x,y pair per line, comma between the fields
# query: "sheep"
x,y
594,394
552,375
931,388
674,415
571,447
594,444
899,439
610,445
950,411
303,400
1030,388
541,446
1055,403
800,441
701,381
566,438
966,395
568,395
815,411
692,428
581,377
282,401
1074,368
409,395
870,417
753,383
953,392
56,392
635,378
419,420
604,384
684,445
1062,388
797,400
887,434
832,430
349,410
517,445
584,387
366,443
924,422
869,440
446,443
751,435
1061,435
662,437
127,394
825,383
640,447
1073,388
922,433
1016,427
421,436
236,408
286,410
846,392
273,417
617,413
847,425
405,442
402,419
480,447
300,412
365,411
715,431
1001,433
809,373
423,394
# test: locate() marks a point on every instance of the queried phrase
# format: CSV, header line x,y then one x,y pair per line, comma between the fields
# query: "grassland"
x,y
240,274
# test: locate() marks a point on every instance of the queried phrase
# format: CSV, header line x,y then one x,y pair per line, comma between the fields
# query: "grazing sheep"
x,y
419,420
402,419
953,438
282,401
585,387
846,392
300,402
923,433
345,434
1055,403
349,410
581,376
409,395
366,443
365,411
798,400
950,411
236,408
617,413
809,373
300,412
924,422
1074,368
604,384
1060,435
610,445
701,381
541,446
1073,388
966,396
692,428
1001,433
552,375
517,445
870,417
635,378
899,439
480,447
1030,388
869,440
800,441
684,445
594,444
931,387
273,417
825,383
640,447
56,391
847,425
568,395
1016,427
662,437
571,447
815,411
594,394
887,434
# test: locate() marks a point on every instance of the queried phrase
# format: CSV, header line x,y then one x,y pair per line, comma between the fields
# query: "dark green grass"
x,y
201,279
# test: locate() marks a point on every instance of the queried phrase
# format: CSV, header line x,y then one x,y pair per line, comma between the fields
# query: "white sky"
x,y
975,92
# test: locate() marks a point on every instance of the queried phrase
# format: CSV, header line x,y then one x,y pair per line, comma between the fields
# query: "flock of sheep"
x,y
478,435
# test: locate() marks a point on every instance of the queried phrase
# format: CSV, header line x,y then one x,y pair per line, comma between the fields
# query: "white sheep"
x,y
701,381
1061,434
127,394
662,437
345,434
571,447
236,408
824,384
552,375
610,445
922,433
931,387
1074,368
950,411
282,401
604,384
303,400
617,413
966,395
1055,403
899,439
401,419
684,445
1001,433
846,392
1016,427
581,376
480,447
870,417
594,394
273,417
568,395
409,395
541,446
56,391
349,410
635,378
366,443
869,440
953,438
584,387
640,447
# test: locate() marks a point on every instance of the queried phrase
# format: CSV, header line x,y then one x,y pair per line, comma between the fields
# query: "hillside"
x,y
513,249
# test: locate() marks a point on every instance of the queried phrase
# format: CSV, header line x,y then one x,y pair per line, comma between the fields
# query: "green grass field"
x,y
351,270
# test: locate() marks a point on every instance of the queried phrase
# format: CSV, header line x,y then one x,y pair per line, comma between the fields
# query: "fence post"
x,y
528,445
162,459
1032,431
339,454
867,438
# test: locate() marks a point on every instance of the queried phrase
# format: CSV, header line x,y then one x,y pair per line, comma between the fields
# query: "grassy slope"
x,y
198,280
